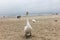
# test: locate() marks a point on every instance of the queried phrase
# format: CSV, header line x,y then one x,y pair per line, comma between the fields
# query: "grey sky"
x,y
33,6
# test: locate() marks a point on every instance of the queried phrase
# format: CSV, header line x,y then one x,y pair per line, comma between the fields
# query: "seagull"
x,y
33,20
27,28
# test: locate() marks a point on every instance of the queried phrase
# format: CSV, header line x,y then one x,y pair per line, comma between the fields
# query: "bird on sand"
x,y
27,28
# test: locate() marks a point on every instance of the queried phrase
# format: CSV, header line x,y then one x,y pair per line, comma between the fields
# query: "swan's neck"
x,y
28,21
28,24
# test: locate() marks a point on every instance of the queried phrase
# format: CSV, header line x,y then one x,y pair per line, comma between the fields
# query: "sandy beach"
x,y
45,28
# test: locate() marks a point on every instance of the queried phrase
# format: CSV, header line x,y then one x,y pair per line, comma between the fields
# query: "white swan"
x,y
27,28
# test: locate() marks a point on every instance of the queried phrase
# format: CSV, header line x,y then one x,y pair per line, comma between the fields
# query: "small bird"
x,y
33,20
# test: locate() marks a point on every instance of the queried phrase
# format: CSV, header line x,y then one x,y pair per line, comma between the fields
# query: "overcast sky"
x,y
33,6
